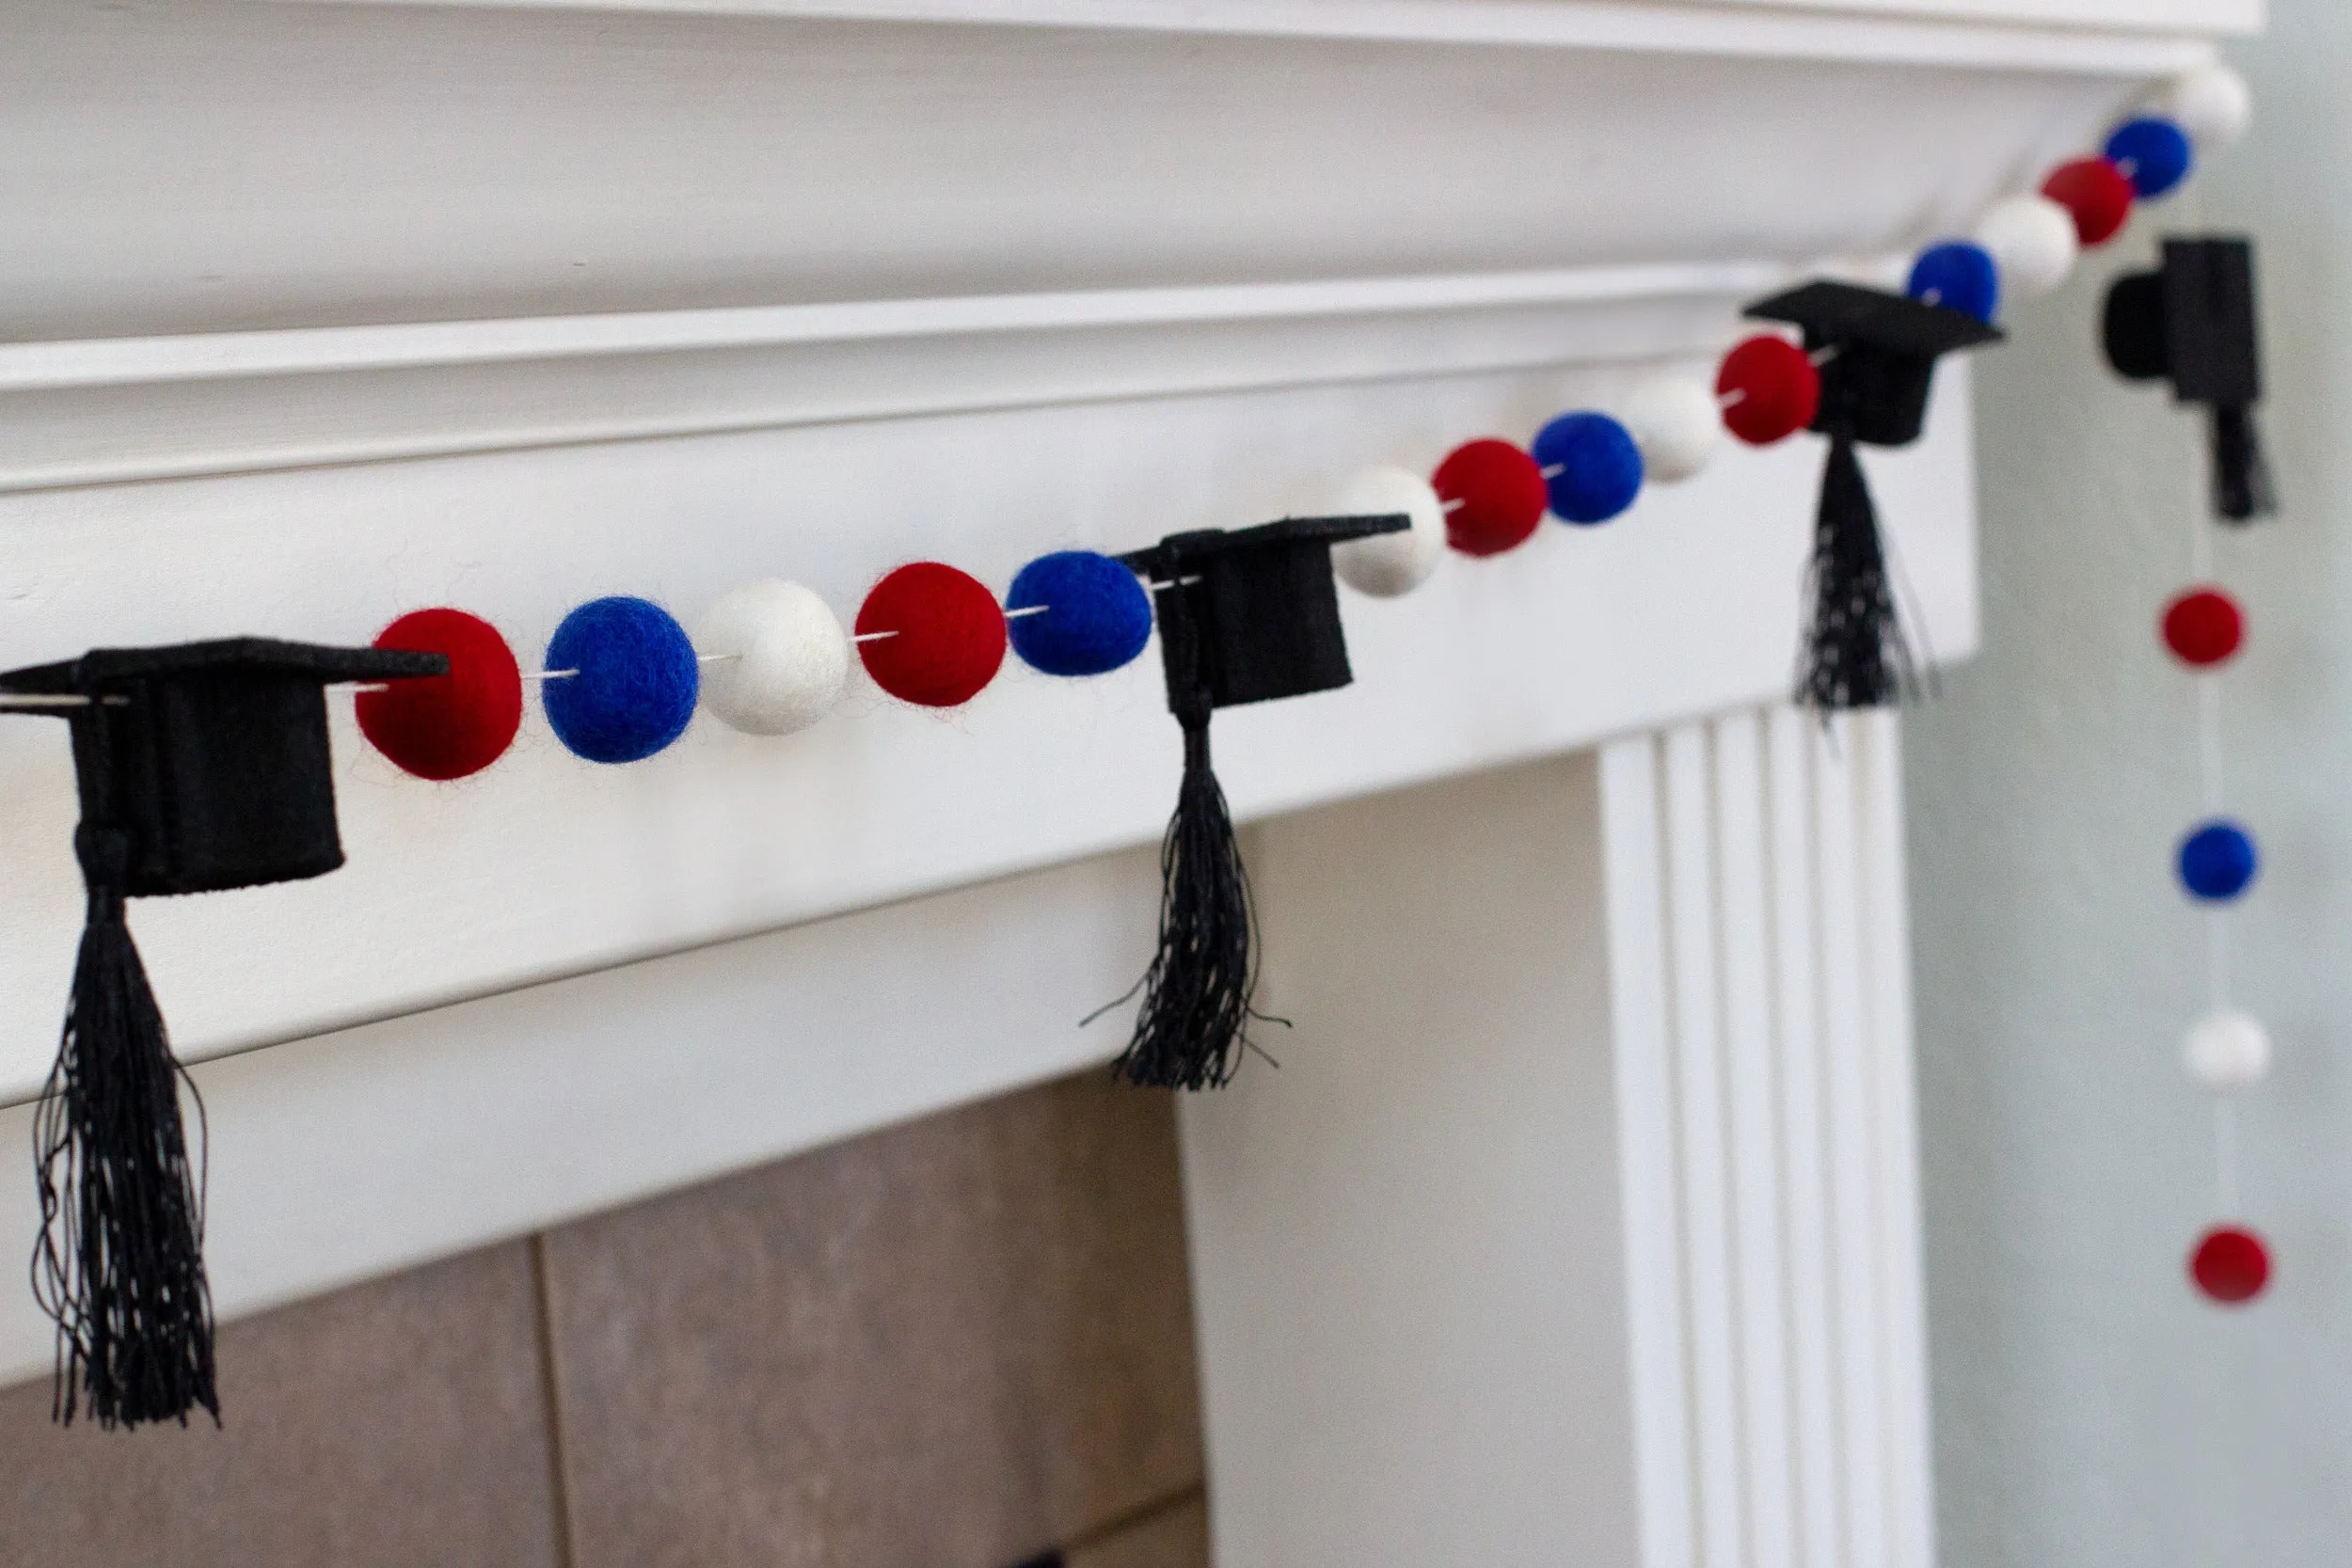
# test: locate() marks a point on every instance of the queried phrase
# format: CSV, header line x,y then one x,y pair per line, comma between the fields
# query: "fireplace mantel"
x,y
320,312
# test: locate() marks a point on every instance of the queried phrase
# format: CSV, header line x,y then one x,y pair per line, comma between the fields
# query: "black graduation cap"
x,y
1876,353
2193,322
200,767
1246,615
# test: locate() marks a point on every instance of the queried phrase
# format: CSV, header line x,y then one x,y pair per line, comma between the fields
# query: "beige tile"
x,y
948,1345
398,1423
1176,1537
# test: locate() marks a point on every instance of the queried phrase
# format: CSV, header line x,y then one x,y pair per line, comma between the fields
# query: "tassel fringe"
x,y
1856,655
1194,1023
120,1264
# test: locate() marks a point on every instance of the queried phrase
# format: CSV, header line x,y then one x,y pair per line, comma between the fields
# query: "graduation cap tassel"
x,y
1196,1012
1855,652
2241,475
120,1264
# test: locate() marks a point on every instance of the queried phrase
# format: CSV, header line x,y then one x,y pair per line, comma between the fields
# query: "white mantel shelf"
x,y
317,313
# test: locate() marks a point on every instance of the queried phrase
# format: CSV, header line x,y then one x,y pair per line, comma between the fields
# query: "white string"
x,y
2209,739
2216,959
44,699
2225,1154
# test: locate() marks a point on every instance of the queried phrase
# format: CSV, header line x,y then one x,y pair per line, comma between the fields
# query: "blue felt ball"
x,y
1957,276
1592,467
637,684
2152,152
1096,616
2217,861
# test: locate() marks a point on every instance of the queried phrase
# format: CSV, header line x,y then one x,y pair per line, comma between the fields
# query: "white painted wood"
x,y
1410,1289
1863,1428
1376,1302
1886,972
351,1154
109,410
1708,1248
1721,23
1649,1207
216,167
1796,949
1752,1089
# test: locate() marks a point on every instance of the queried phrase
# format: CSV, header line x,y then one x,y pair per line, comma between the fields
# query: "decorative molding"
x,y
113,410
2065,35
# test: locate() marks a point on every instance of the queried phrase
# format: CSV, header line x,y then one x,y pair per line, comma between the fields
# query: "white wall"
x,y
2090,1409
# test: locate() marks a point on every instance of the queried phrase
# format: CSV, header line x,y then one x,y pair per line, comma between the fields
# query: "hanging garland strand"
x,y
240,785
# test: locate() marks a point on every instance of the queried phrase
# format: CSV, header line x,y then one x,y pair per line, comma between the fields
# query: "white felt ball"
x,y
2032,239
2227,1050
1387,565
2211,102
790,658
1675,422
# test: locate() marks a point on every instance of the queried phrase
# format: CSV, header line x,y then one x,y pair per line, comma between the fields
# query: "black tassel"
x,y
120,1264
1855,656
2241,475
1194,1023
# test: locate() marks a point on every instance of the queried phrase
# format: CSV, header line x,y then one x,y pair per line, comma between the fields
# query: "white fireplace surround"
x,y
320,312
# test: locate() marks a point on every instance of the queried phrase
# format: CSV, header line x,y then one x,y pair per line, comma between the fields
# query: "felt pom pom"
x,y
446,726
2211,102
1493,494
948,635
1768,389
1592,469
2217,860
1089,613
2096,193
1387,565
2032,240
2227,1050
637,680
777,657
2230,1265
2153,152
1676,421
2204,627
1959,276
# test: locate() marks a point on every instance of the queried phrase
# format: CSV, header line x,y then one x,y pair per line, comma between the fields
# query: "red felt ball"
x,y
1769,388
446,726
2097,192
2204,627
1493,494
2230,1265
948,635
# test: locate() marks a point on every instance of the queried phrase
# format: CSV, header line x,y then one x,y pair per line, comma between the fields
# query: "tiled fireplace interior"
x,y
965,1343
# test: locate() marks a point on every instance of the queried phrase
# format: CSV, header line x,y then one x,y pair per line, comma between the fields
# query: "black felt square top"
x,y
1876,353
211,756
2192,322
1247,615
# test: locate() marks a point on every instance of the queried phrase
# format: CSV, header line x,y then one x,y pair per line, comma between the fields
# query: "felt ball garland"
x,y
1077,613
2153,152
1387,564
773,657
1493,494
1592,469
446,726
621,680
932,635
1769,389
1244,617
2096,194
1960,273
